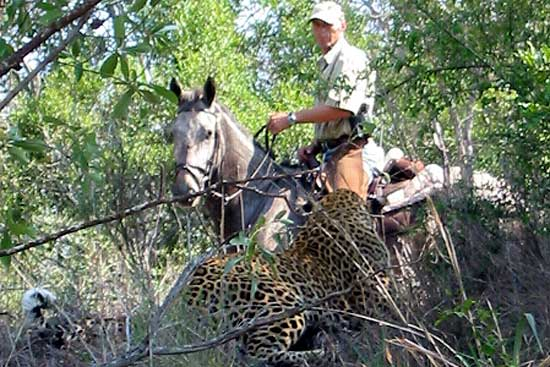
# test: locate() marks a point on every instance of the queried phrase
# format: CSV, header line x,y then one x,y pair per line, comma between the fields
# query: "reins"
x,y
268,144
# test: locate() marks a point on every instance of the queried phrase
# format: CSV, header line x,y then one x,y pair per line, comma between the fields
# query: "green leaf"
x,y
95,176
36,146
16,225
118,25
253,286
166,94
78,71
124,66
150,96
50,16
165,29
75,47
54,121
517,341
4,245
250,250
18,154
46,6
231,263
109,65
121,108
138,5
5,49
533,326
280,215
140,48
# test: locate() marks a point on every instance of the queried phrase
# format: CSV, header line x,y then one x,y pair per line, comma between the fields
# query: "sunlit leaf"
x,y
17,225
46,6
150,96
50,16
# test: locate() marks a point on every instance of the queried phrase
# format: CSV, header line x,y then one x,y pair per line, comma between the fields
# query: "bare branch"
x,y
45,62
110,218
143,350
15,59
134,210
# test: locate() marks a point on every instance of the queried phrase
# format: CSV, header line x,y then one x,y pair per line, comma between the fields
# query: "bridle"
x,y
207,172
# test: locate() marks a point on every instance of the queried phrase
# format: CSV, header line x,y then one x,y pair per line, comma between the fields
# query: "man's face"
x,y
326,35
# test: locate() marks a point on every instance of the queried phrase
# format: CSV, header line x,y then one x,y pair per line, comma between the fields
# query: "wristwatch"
x,y
292,119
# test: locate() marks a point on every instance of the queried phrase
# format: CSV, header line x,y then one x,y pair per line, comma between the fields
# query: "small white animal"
x,y
34,301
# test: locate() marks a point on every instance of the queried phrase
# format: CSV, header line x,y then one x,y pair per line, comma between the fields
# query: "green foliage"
x,y
85,138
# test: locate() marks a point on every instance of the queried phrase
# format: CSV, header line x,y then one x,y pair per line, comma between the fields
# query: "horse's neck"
x,y
240,160
241,157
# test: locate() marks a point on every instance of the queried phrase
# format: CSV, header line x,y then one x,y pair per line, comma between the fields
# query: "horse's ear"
x,y
175,88
209,91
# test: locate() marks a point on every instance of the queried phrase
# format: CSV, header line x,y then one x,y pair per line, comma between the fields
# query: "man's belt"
x,y
335,143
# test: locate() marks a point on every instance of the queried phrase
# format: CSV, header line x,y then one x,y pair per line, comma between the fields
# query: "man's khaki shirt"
x,y
346,82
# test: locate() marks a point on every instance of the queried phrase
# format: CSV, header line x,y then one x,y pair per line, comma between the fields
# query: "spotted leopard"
x,y
336,250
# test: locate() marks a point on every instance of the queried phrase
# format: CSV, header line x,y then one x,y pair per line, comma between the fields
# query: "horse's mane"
x,y
191,100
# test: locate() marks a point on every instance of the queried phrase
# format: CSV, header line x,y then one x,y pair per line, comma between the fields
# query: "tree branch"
x,y
432,71
143,349
134,210
45,62
13,61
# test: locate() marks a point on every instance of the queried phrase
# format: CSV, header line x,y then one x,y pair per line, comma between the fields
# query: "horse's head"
x,y
196,140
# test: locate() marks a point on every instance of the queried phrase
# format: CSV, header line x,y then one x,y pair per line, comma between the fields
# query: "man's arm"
x,y
278,121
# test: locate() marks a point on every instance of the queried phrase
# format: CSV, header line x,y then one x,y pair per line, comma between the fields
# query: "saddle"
x,y
396,216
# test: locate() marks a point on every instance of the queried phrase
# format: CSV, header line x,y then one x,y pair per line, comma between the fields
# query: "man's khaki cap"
x,y
327,11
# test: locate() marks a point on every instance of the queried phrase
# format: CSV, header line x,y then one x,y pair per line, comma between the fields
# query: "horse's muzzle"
x,y
183,187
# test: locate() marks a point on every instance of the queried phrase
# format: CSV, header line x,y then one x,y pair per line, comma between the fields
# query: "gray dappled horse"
x,y
210,146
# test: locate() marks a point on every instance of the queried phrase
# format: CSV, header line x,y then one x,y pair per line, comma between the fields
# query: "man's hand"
x,y
277,122
305,154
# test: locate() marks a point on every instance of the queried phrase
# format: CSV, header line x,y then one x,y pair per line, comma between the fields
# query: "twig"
x,y
44,63
13,61
142,350
432,71
132,211
409,345
78,227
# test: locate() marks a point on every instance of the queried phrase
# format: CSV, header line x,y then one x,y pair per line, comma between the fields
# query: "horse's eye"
x,y
208,134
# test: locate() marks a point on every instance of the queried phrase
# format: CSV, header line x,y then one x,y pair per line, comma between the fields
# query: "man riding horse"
x,y
346,83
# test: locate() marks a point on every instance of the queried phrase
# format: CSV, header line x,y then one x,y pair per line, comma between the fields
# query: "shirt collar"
x,y
331,55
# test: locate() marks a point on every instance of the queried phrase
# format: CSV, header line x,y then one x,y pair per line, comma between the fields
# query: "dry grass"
x,y
470,293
